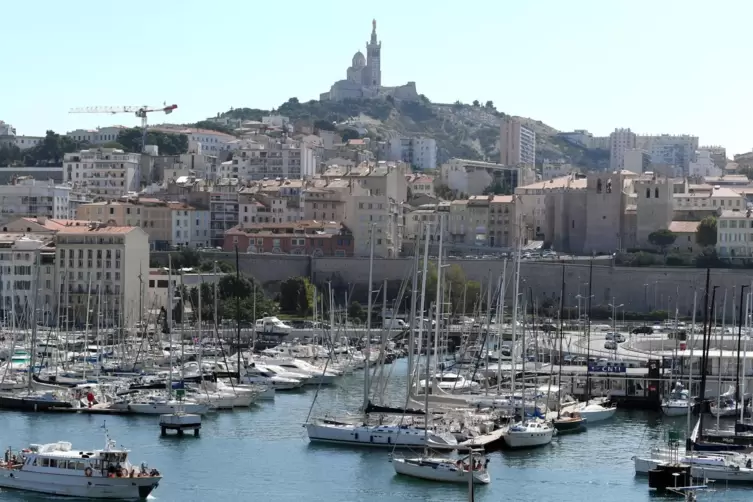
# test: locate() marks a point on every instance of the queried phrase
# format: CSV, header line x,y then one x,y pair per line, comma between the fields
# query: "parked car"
x,y
610,345
643,330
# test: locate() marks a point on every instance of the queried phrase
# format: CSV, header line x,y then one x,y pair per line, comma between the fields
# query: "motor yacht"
x,y
58,469
332,431
452,383
315,375
529,434
260,374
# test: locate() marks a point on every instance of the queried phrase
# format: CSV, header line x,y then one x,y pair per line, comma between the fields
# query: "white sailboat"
x,y
678,402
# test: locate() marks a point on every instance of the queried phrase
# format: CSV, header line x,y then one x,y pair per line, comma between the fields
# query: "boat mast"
x,y
721,341
238,308
438,300
424,273
738,394
516,292
562,335
690,370
34,320
368,322
412,320
588,330
427,383
705,345
170,324
501,323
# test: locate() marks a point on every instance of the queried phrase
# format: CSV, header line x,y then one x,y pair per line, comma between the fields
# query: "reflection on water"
x,y
262,454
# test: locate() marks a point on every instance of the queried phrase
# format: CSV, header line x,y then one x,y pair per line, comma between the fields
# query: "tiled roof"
x,y
684,227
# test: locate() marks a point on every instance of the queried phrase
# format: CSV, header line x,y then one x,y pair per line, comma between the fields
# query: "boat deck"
x,y
484,440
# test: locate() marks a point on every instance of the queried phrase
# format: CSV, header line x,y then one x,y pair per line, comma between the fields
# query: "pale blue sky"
x,y
656,66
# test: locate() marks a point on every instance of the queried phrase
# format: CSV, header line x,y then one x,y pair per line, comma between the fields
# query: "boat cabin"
x,y
59,458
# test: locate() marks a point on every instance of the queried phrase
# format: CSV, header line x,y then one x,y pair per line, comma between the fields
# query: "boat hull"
x,y
528,439
444,472
164,408
376,436
675,410
597,415
79,486
569,426
30,404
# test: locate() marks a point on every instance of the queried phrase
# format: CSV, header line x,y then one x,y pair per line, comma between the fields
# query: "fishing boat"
x,y
58,469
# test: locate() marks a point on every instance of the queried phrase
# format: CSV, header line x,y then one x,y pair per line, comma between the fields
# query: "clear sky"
x,y
656,66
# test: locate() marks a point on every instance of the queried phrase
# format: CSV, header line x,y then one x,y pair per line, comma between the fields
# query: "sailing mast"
x,y
170,324
562,335
705,344
692,344
588,330
738,394
238,307
34,321
368,323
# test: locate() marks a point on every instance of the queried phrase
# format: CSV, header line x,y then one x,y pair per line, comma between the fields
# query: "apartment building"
x,y
704,163
326,202
210,142
671,150
265,157
27,264
101,269
312,238
418,152
734,230
420,184
190,226
620,141
25,196
99,136
105,172
472,177
517,143
223,208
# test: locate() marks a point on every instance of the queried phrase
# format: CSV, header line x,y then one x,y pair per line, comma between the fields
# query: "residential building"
x,y
312,238
555,169
636,161
106,172
8,174
26,262
223,207
517,143
100,268
265,157
327,202
420,184
685,236
26,142
501,226
26,196
734,233
672,150
7,134
99,136
190,226
620,141
472,177
158,289
210,142
419,152
704,164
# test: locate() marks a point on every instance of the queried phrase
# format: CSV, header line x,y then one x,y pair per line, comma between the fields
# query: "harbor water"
x,y
262,453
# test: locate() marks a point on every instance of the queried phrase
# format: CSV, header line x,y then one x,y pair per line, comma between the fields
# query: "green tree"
x,y
705,235
489,104
356,311
662,238
444,192
296,296
324,125
497,187
213,126
349,134
167,143
476,104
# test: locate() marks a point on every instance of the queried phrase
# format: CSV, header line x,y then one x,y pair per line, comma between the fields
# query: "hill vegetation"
x,y
468,131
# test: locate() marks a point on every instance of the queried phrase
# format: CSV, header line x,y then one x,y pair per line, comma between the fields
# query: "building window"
x,y
648,193
656,193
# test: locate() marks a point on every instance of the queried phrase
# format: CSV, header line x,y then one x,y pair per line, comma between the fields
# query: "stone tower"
x,y
655,207
373,77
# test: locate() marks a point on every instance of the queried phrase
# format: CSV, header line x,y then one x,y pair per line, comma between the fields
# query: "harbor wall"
x,y
638,289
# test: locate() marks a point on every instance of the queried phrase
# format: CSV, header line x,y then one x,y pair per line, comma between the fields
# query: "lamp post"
x,y
614,323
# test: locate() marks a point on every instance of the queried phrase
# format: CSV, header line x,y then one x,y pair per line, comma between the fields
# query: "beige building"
x,y
472,177
106,172
517,143
734,233
420,184
327,202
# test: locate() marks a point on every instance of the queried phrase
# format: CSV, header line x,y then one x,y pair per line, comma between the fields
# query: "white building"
x,y
734,233
704,165
26,142
113,261
636,160
190,228
555,169
29,197
265,157
212,142
517,143
278,121
472,177
620,141
672,150
106,172
98,136
421,153
20,257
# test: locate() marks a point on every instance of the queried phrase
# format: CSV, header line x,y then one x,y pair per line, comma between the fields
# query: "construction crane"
x,y
140,111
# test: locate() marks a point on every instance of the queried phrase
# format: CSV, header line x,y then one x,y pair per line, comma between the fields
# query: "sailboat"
x,y
526,433
678,402
566,422
427,466
385,435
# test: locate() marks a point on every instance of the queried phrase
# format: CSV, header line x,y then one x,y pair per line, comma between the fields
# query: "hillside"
x,y
464,131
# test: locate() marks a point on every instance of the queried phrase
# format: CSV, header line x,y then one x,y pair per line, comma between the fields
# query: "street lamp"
x,y
614,323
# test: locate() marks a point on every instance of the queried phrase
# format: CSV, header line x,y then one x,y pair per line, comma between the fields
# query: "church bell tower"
x,y
373,51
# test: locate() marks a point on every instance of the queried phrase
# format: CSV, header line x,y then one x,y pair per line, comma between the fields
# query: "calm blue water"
x,y
263,454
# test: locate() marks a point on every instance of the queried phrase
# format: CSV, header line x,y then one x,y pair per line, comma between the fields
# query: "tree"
x,y
497,187
705,235
167,143
324,125
662,238
296,296
349,134
213,126
476,104
489,104
355,311
444,192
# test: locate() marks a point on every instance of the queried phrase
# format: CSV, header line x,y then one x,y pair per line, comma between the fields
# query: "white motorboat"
x,y
677,403
451,382
313,375
529,434
259,374
595,412
58,469
445,470
331,431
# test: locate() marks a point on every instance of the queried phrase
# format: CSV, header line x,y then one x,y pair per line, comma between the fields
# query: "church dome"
x,y
359,61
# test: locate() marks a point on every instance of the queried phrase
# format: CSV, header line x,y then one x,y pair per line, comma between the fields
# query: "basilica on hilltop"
x,y
364,77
